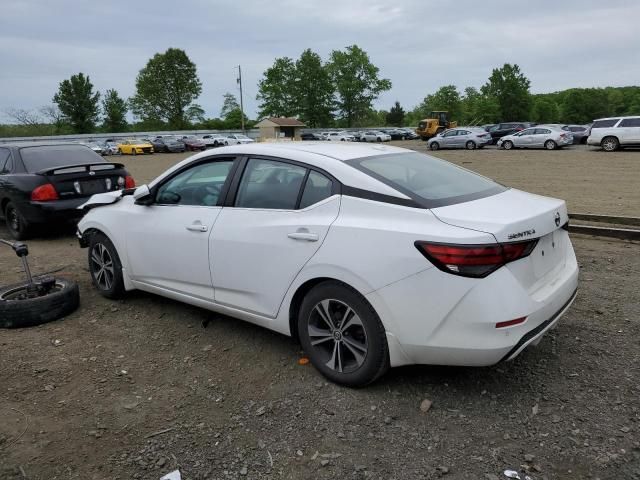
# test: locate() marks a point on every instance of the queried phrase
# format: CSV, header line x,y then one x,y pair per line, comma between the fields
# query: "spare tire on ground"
x,y
17,310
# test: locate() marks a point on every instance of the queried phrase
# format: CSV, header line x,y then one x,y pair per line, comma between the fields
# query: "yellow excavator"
x,y
437,122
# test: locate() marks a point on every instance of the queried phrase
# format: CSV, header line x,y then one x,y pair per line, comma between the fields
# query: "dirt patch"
x,y
136,388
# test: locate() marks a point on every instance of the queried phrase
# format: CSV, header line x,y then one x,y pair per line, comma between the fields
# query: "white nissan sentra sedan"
x,y
372,256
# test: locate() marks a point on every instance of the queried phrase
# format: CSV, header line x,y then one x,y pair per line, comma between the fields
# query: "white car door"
x,y
168,240
280,216
629,131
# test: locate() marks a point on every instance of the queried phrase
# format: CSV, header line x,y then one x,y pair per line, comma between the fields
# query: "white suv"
x,y
615,132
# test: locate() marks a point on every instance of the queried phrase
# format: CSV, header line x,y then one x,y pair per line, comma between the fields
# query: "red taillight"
x,y
44,193
474,260
129,182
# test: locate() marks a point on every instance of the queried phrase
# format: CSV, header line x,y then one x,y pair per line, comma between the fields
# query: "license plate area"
x,y
548,254
93,186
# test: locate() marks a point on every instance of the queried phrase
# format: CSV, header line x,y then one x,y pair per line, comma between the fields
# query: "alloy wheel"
x,y
102,266
338,335
610,144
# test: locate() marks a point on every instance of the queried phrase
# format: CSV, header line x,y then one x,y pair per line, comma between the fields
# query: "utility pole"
x,y
241,102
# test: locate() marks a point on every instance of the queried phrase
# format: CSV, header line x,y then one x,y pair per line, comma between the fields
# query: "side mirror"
x,y
142,195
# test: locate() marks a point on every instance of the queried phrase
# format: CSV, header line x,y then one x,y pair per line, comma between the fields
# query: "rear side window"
x,y
429,181
605,123
630,122
270,184
317,188
542,131
51,156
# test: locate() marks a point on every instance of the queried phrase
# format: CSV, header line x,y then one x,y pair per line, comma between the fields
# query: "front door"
x,y
168,241
281,214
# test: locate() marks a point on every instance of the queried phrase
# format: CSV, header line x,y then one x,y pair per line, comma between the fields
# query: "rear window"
x,y
51,156
429,181
604,123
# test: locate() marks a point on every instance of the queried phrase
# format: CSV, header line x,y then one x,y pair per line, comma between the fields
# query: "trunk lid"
x,y
510,216
516,216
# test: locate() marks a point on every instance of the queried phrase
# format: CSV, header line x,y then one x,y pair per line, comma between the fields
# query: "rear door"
x,y
278,219
630,131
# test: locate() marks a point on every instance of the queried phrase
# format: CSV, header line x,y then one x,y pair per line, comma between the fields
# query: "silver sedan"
x,y
537,137
465,137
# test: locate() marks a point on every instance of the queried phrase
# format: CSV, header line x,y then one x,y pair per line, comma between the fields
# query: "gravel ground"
x,y
137,388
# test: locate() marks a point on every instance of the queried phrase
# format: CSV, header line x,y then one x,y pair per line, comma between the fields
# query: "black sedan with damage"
x,y
44,183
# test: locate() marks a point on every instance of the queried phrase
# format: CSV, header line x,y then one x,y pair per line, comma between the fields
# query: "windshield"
x,y
430,181
51,156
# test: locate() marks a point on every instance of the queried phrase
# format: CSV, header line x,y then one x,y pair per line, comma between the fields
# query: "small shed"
x,y
280,127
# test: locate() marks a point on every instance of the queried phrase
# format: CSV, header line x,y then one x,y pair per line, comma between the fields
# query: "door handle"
x,y
304,235
197,227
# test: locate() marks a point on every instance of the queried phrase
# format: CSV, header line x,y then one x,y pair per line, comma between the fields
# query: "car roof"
x,y
328,156
621,117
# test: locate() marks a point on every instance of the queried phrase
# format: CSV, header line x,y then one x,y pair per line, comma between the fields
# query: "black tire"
x,y
610,144
507,145
364,335
550,145
166,149
134,152
434,146
470,145
17,225
105,266
36,311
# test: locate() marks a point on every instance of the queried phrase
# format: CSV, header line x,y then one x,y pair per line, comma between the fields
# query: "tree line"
x,y
339,92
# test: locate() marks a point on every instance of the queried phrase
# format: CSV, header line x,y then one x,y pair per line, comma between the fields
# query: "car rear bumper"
x,y
442,319
57,210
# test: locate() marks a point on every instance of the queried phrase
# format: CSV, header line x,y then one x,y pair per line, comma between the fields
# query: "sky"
x,y
419,45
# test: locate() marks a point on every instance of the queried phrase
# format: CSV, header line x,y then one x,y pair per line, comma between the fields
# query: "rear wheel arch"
x,y
301,293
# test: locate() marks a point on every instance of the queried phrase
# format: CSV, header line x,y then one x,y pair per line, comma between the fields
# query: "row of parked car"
x,y
610,133
511,135
165,143
381,135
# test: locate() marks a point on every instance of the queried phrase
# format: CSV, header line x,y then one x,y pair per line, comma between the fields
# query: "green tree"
x,y
356,81
511,89
78,103
313,90
276,90
583,105
231,113
445,98
194,114
165,88
114,109
395,117
545,111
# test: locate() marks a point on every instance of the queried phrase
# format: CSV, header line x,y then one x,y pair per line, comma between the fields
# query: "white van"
x,y
615,132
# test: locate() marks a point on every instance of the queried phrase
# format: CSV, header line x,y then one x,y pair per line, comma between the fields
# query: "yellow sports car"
x,y
134,147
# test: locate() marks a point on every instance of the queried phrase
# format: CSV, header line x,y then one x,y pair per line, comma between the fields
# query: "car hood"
x,y
509,216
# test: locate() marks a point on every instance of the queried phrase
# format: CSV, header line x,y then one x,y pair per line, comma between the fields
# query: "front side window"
x,y
542,131
451,133
270,184
200,185
429,181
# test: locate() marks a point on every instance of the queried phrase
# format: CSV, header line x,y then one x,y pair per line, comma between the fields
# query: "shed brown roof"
x,y
286,122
